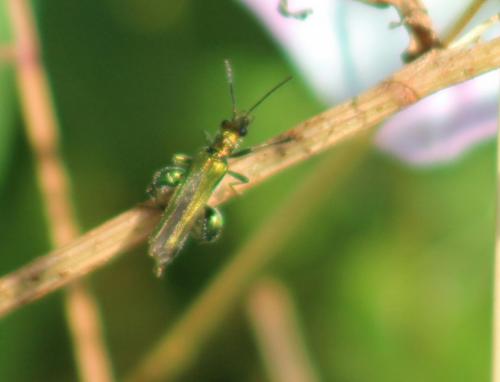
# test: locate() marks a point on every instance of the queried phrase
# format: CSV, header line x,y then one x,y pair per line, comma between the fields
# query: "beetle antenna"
x,y
276,87
229,74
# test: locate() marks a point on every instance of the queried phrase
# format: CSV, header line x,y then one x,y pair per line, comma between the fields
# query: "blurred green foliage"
x,y
392,277
7,102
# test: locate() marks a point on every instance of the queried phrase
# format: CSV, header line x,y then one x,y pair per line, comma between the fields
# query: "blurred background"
x,y
389,278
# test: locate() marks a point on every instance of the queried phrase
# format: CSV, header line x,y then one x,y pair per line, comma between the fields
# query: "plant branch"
x,y
42,130
432,72
475,34
414,17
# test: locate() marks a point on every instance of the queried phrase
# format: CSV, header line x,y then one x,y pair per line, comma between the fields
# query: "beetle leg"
x,y
249,150
240,179
182,160
241,153
208,227
163,183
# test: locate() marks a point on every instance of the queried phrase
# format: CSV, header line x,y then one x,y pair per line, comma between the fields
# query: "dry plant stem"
x,y
274,319
414,17
435,71
462,22
496,279
475,33
42,130
76,259
177,348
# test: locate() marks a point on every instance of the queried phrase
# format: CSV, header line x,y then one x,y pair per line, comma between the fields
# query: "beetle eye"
x,y
243,131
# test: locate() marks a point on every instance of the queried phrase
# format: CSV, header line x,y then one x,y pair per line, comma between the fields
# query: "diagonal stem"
x,y
432,72
416,19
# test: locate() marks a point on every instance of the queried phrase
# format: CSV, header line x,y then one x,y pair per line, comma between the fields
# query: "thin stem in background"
x,y
462,22
178,347
434,71
274,320
42,130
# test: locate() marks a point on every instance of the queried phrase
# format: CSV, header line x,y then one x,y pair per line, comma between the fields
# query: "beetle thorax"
x,y
225,143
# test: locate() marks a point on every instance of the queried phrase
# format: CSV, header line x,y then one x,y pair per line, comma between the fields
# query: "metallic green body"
x,y
186,206
193,182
